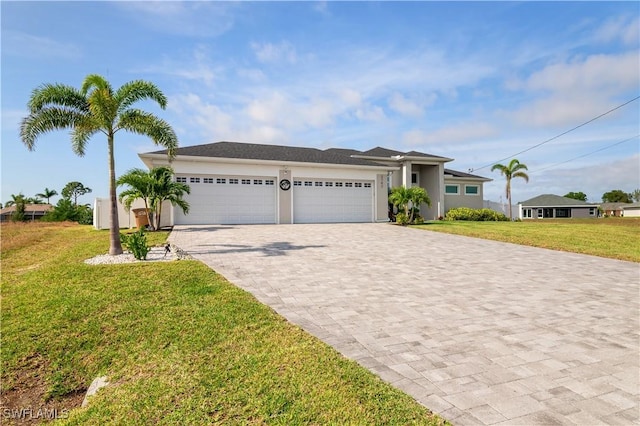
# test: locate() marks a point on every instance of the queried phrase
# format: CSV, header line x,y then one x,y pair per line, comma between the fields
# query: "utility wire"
x,y
585,155
561,134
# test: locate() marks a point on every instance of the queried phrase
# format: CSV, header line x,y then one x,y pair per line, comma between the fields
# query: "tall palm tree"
x,y
97,108
47,193
166,189
513,170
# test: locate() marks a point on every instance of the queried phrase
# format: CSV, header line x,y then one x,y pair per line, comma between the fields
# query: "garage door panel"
x,y
332,204
230,204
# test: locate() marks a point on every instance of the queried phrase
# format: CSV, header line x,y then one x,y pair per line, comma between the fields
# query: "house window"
x,y
318,183
246,181
181,179
592,211
526,213
348,184
563,212
257,181
307,183
358,184
414,178
451,189
233,181
194,180
297,183
328,184
221,180
539,213
367,185
338,184
471,190
207,180
269,182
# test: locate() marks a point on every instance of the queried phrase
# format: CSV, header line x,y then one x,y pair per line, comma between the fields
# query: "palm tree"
x,y
15,200
97,108
166,189
153,187
47,193
417,196
140,186
400,197
513,170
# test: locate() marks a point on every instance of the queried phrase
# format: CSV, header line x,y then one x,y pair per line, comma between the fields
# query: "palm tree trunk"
x,y
115,247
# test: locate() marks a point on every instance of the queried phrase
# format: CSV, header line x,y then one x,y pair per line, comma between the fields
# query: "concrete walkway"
x,y
481,332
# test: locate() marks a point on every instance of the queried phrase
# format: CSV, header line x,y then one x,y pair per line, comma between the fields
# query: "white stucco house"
x,y
243,183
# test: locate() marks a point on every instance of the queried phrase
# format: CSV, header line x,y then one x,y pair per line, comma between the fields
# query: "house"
x,y
631,210
31,212
549,206
612,209
243,183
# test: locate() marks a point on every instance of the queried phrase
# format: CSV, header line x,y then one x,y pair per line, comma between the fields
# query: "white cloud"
x,y
470,131
29,45
191,18
405,106
199,67
274,53
624,28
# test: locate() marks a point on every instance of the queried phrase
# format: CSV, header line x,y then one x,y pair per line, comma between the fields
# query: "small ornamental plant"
x,y
136,243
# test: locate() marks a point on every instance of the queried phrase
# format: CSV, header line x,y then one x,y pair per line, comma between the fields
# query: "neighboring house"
x,y
631,210
241,183
31,211
612,209
550,206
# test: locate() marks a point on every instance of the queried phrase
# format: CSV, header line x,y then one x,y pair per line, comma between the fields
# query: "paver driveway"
x,y
481,332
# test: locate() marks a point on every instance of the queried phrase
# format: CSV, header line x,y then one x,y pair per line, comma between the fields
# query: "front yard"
x,y
178,343
615,238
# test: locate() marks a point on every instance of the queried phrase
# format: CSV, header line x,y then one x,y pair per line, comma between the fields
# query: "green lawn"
x,y
616,238
179,344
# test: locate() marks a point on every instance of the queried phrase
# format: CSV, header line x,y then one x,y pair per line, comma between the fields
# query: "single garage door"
x,y
332,201
228,200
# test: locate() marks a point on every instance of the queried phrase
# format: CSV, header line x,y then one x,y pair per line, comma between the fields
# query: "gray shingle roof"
x,y
456,173
251,151
550,200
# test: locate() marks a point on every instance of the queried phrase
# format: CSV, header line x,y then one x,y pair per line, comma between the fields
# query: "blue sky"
x,y
477,82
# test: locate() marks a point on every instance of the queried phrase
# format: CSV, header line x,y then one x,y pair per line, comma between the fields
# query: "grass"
x,y
179,344
615,238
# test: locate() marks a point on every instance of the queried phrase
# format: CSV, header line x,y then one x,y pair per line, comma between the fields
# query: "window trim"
x,y
452,185
477,187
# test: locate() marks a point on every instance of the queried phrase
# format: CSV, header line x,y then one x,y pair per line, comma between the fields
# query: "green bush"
x,y
66,210
402,219
476,215
136,243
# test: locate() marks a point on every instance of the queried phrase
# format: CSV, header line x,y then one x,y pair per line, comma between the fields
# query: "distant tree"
x,y
97,108
616,196
635,195
34,200
19,198
74,190
577,196
47,193
513,170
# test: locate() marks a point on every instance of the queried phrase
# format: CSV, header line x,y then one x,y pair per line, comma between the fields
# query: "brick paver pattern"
x,y
480,332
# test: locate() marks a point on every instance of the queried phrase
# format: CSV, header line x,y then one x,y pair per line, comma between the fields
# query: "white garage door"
x,y
228,200
332,201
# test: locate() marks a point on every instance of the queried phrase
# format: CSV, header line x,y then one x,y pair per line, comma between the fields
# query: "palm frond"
x,y
97,82
46,120
137,90
147,124
57,95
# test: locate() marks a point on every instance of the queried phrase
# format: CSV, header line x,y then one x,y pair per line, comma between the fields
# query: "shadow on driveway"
x,y
271,249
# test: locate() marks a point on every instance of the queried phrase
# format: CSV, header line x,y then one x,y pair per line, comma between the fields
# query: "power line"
x,y
585,155
561,134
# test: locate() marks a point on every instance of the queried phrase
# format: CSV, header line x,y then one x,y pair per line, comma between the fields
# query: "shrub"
x,y
402,219
476,215
136,243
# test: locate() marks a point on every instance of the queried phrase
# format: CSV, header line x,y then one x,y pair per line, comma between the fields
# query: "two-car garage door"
x,y
218,199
